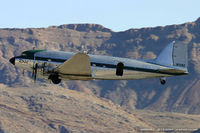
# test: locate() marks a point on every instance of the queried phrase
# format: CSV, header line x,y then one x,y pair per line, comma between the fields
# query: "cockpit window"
x,y
29,54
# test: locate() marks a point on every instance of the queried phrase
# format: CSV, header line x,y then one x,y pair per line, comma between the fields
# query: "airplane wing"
x,y
79,65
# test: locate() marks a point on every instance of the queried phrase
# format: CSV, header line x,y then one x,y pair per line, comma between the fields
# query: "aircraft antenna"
x,y
84,49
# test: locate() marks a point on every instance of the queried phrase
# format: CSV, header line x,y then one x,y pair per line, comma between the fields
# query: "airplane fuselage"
x,y
102,67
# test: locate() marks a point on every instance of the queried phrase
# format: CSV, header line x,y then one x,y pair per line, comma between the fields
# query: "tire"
x,y
162,82
55,79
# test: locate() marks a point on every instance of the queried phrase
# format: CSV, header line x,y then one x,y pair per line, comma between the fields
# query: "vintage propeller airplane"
x,y
57,65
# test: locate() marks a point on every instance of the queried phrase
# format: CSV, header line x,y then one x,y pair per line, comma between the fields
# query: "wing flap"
x,y
79,64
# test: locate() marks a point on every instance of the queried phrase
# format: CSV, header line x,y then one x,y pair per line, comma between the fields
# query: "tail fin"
x,y
174,54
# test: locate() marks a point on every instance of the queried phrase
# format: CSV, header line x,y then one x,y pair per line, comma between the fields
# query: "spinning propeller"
x,y
34,73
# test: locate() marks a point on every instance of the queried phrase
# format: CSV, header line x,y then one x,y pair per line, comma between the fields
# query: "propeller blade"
x,y
35,73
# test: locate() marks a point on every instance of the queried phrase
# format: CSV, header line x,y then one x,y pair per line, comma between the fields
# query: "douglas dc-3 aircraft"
x,y
57,65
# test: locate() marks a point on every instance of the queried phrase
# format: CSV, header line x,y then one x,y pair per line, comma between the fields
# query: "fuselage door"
x,y
120,69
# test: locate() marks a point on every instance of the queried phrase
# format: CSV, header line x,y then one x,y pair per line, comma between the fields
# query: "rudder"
x,y
174,54
180,55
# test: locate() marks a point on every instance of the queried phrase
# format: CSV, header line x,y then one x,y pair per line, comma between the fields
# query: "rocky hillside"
x,y
180,94
53,109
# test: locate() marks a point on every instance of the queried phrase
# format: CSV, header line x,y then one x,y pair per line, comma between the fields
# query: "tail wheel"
x,y
55,79
163,80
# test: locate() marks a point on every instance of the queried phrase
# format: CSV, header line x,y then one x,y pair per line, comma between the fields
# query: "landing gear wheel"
x,y
55,79
163,80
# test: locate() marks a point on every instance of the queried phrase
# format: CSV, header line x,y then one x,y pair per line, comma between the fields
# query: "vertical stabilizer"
x,y
174,54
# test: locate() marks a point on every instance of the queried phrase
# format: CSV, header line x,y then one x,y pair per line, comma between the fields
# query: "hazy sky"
x,y
117,15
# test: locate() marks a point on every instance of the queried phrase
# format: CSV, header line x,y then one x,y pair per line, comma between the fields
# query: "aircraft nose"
x,y
12,60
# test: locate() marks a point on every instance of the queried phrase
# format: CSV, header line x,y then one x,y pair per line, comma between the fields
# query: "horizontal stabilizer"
x,y
79,64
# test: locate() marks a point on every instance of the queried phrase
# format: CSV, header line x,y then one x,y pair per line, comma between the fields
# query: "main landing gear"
x,y
55,78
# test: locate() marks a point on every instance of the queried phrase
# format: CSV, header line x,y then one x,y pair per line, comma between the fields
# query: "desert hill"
x,y
53,108
180,94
